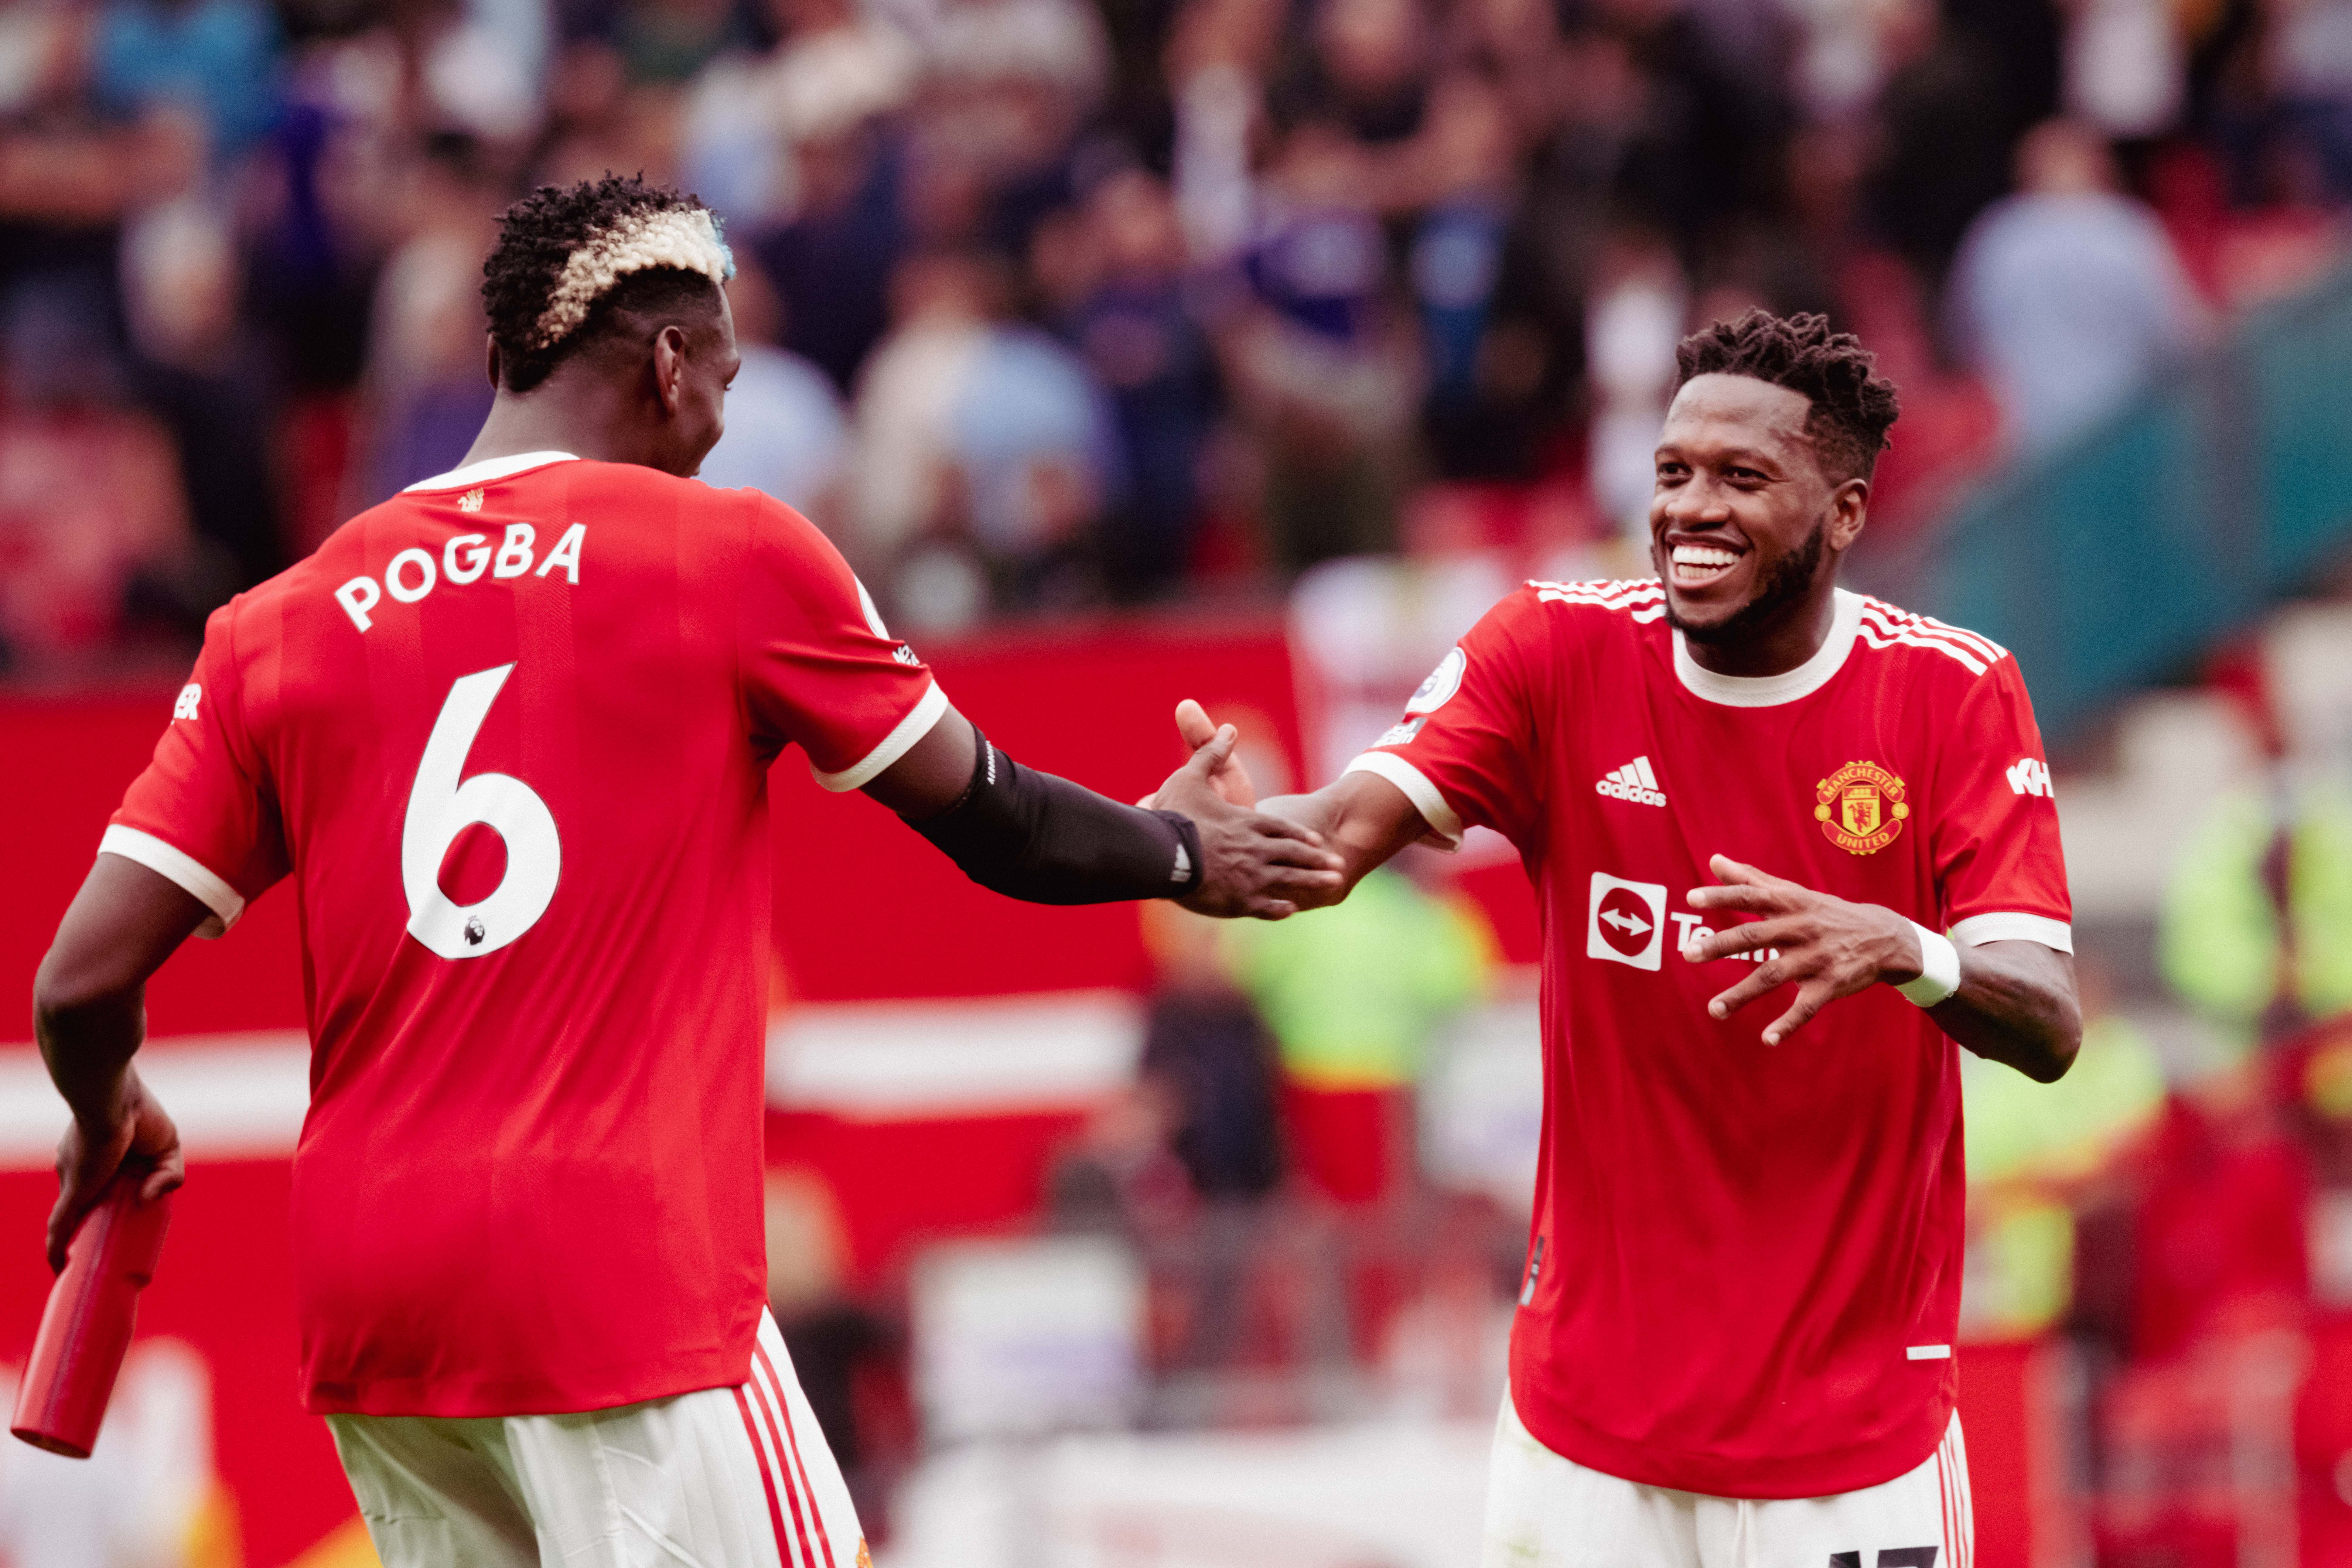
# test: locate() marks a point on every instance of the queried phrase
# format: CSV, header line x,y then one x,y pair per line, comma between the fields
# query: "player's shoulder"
x,y
633,484
1595,607
1936,648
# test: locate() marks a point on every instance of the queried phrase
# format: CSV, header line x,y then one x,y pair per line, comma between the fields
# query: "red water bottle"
x,y
85,1327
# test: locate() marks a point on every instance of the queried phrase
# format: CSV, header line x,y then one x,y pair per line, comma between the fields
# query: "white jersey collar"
x,y
489,469
1771,690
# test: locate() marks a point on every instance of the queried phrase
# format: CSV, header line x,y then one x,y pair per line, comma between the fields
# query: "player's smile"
x,y
1695,564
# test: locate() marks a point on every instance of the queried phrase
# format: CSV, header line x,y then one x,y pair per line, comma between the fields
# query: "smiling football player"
x,y
1790,844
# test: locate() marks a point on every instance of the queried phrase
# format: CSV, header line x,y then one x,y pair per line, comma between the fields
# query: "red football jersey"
x,y
1745,1266
509,733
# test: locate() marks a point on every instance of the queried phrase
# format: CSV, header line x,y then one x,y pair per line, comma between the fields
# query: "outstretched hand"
x,y
1829,947
138,1135
1227,777
1254,864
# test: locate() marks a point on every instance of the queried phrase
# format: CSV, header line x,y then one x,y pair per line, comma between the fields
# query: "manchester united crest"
x,y
1860,807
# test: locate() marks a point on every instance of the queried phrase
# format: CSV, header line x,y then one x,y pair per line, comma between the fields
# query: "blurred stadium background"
x,y
1247,350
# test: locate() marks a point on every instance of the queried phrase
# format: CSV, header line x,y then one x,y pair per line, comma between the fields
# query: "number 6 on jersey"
x,y
440,808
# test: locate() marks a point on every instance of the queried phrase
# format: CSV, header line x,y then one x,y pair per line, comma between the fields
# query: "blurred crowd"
x,y
1066,302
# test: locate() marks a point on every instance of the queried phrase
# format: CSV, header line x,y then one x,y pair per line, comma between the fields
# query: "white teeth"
x,y
1703,555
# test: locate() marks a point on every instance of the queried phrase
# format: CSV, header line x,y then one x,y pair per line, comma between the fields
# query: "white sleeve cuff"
x,y
1425,796
1978,930
896,744
178,865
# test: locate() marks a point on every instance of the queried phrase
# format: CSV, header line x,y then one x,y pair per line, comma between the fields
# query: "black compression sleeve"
x,y
1031,835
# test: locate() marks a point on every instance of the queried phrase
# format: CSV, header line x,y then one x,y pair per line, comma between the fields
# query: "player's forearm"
x,y
1043,839
87,1038
90,1018
2016,1004
89,1012
1358,817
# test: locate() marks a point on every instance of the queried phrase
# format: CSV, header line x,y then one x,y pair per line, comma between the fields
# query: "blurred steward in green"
x,y
2255,934
2036,1152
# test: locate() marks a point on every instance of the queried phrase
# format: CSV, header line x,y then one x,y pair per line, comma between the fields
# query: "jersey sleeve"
x,y
1464,751
2001,873
203,813
819,669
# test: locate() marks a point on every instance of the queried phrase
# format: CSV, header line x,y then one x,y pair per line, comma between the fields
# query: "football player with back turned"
x,y
1789,844
508,735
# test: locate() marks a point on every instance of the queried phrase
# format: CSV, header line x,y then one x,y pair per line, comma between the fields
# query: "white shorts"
x,y
1545,1512
726,1477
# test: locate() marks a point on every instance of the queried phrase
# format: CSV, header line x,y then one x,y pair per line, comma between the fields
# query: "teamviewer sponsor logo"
x,y
1627,924
1634,782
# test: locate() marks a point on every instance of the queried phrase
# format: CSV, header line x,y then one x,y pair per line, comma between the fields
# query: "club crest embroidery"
x,y
1860,807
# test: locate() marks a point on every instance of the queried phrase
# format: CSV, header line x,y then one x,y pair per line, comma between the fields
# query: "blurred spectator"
x,y
2123,67
1353,1000
1136,329
1493,330
786,432
668,41
485,63
832,262
1057,46
1368,72
1635,318
214,59
428,379
1205,1046
2310,67
1039,465
1947,125
1218,53
985,454
901,478
839,65
2068,295
201,367
1203,1108
89,491
1318,363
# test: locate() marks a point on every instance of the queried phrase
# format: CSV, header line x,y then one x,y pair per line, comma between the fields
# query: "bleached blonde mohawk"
x,y
685,238
563,251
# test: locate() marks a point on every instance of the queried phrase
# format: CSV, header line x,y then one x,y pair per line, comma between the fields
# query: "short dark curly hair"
x,y
1852,406
538,234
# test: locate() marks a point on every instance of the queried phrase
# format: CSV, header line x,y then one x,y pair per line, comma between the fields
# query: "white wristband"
x,y
1939,970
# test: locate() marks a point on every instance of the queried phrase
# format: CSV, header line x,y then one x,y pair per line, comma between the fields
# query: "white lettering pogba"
x,y
413,574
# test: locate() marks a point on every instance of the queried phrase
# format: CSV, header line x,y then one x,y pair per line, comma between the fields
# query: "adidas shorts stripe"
x,y
723,1478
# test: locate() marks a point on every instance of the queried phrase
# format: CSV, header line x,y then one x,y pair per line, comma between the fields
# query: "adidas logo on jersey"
x,y
1634,782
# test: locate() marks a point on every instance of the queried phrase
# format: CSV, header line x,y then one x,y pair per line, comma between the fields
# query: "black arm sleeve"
x,y
1031,835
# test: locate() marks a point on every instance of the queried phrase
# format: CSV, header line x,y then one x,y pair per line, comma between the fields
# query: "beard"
x,y
1789,582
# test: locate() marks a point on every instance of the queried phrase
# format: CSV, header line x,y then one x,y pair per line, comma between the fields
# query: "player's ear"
x,y
1849,508
669,368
